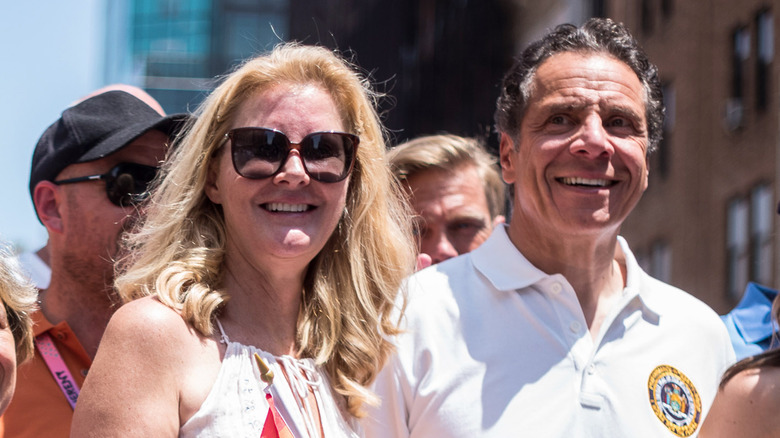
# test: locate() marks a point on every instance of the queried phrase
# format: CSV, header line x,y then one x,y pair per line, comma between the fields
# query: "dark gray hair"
x,y
597,35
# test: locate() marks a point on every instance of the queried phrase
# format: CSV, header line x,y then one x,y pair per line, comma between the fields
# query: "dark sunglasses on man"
x,y
126,183
259,153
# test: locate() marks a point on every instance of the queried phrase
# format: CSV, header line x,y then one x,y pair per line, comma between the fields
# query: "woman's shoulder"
x,y
746,405
151,323
144,313
756,385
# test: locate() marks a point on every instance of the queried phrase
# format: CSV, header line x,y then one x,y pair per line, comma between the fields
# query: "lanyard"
x,y
57,368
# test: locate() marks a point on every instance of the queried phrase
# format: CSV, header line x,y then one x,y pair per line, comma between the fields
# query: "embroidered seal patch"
x,y
674,400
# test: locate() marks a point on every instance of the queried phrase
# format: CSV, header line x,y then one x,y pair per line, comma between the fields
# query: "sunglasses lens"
x,y
129,183
327,156
260,153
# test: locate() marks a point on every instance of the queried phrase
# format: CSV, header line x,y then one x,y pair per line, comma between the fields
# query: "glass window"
x,y
667,8
762,212
765,47
661,262
598,8
737,247
647,17
643,260
741,52
251,33
662,155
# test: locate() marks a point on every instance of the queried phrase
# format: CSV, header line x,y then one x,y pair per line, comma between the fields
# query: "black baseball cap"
x,y
95,128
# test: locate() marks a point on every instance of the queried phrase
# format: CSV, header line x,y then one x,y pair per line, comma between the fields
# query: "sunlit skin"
x,y
275,226
7,361
453,214
92,223
746,406
257,210
578,168
581,166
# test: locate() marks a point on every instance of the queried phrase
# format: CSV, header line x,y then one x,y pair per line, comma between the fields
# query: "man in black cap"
x,y
90,170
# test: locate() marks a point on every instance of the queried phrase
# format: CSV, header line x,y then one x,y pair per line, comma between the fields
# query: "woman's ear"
x,y
212,186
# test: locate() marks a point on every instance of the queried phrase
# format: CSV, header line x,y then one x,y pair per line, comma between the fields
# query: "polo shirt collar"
x,y
505,267
637,282
502,264
40,323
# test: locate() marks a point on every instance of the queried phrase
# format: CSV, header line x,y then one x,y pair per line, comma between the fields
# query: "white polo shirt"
x,y
495,347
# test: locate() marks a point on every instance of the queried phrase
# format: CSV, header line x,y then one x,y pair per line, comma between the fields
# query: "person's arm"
x,y
746,406
133,386
389,420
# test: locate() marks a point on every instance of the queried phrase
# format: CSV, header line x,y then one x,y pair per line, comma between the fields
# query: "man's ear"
x,y
506,158
48,200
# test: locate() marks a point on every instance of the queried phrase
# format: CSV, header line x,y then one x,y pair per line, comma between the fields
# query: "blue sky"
x,y
52,52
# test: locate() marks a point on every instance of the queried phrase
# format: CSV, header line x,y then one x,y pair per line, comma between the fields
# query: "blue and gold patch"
x,y
674,400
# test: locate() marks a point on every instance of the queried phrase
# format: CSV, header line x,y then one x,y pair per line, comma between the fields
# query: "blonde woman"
x,y
16,336
275,231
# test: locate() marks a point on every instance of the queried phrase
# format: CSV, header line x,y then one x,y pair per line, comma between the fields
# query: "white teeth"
x,y
577,181
292,208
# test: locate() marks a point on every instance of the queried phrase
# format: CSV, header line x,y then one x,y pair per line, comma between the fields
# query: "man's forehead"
x,y
442,191
571,81
594,70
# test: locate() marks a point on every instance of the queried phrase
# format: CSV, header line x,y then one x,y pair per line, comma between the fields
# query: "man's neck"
x,y
593,265
86,312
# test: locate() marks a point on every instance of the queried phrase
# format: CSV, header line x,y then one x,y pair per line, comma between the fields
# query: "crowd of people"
x,y
249,269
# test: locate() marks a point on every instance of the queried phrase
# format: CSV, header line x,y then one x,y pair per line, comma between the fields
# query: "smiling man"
x,y
550,328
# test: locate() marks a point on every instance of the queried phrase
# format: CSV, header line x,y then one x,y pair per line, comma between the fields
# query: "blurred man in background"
x,y
456,190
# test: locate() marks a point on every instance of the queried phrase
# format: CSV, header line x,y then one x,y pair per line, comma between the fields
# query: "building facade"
x,y
708,221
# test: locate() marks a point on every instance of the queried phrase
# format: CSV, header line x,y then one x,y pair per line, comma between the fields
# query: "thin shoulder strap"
x,y
223,338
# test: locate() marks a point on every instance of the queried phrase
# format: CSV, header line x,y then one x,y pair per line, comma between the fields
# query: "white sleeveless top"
x,y
236,405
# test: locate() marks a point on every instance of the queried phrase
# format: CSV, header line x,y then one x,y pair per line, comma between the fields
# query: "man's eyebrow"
x,y
626,111
604,106
468,215
563,107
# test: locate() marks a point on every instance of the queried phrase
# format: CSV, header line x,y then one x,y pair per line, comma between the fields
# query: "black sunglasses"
x,y
126,183
261,153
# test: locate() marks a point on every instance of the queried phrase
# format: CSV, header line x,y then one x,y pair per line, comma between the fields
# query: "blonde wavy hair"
x,y
19,298
349,288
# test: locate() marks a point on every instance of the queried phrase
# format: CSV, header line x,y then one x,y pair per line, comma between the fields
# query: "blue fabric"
x,y
750,324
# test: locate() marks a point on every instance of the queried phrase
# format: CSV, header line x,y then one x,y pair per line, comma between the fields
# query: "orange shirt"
x,y
39,408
